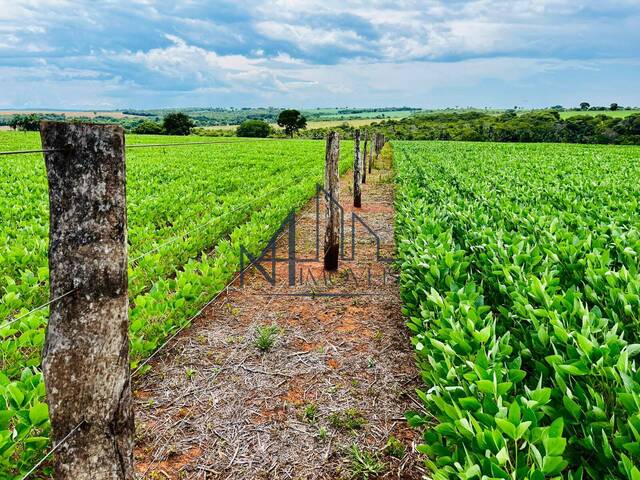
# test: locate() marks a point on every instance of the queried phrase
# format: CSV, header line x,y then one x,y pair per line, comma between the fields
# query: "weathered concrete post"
x,y
86,353
357,171
364,158
332,197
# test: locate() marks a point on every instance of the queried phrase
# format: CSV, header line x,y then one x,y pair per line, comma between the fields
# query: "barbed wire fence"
x,y
72,141
71,147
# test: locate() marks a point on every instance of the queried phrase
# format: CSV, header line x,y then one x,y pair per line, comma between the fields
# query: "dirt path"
x,y
325,401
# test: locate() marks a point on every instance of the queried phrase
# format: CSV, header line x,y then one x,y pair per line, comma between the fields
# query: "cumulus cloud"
x,y
159,52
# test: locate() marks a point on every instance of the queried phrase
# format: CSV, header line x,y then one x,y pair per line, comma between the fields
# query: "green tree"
x,y
613,107
30,122
292,121
585,106
253,128
177,124
149,127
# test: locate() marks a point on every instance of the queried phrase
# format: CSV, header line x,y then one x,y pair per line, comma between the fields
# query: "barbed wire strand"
x,y
27,152
155,249
59,297
148,145
215,297
182,144
50,452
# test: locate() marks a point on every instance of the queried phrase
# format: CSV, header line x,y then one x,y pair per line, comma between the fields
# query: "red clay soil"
x,y
325,401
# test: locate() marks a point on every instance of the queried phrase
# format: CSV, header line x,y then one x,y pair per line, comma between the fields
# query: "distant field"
x,y
616,114
355,123
359,122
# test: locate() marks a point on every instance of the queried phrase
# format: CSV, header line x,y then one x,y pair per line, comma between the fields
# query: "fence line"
x,y
150,145
148,359
155,249
180,144
26,152
59,297
112,153
50,452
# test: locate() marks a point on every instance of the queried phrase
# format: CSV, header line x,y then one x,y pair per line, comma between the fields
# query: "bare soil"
x,y
339,376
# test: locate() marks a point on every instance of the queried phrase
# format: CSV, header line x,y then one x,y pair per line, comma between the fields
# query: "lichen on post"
x,y
86,354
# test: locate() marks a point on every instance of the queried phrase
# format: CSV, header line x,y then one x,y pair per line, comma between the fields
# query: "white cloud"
x,y
306,51
307,38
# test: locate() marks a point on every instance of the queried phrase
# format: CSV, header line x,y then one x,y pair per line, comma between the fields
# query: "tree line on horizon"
x,y
527,127
510,126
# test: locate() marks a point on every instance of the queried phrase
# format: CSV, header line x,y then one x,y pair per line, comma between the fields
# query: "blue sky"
x,y
308,53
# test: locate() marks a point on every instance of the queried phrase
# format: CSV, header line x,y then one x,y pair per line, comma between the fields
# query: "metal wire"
x,y
198,313
14,320
25,152
48,454
182,144
155,249
146,145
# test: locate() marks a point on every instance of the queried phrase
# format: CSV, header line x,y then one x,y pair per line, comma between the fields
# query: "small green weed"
x,y
310,412
364,464
394,447
349,419
266,336
323,433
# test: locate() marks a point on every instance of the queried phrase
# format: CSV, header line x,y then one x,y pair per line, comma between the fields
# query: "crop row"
x,y
190,207
520,280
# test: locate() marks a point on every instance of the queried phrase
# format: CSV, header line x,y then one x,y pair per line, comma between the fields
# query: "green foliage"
x,y
292,121
521,282
253,128
229,193
177,124
213,132
149,127
349,419
266,336
364,464
394,447
310,412
28,123
528,127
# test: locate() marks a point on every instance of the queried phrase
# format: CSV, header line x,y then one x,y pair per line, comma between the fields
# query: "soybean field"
x,y
521,284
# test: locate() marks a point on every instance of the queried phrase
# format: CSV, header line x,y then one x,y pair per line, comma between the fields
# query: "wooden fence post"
x,y
332,197
371,147
364,158
357,171
379,143
86,353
